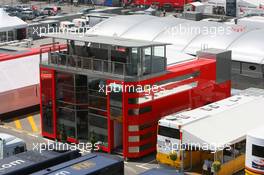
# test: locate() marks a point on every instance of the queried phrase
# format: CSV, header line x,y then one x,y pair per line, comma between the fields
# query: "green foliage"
x,y
216,166
173,156
93,139
63,134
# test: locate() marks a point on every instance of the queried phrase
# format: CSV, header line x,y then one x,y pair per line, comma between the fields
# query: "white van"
x,y
27,15
10,145
80,22
67,26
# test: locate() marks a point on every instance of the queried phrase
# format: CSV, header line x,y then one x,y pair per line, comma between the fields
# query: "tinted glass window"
x,y
169,132
140,110
258,151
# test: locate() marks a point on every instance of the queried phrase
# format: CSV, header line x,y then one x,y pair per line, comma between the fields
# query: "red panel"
x,y
178,4
72,140
103,148
54,105
42,78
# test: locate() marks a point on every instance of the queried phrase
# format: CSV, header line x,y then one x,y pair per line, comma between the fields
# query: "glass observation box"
x,y
101,54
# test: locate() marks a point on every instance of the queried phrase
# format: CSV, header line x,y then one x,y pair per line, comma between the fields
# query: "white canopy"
x,y
227,127
257,133
256,3
10,22
187,36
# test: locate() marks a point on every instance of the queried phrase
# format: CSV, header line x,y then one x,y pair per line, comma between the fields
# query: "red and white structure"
x,y
19,77
123,119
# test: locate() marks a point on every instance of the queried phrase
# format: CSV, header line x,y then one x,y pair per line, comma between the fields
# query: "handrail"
x,y
88,63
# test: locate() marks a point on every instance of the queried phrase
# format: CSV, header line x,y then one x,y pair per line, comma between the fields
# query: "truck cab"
x,y
10,145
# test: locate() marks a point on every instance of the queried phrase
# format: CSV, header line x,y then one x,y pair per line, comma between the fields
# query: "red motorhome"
x,y
115,90
177,4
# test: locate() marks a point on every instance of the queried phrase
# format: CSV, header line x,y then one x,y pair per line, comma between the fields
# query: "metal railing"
x,y
87,63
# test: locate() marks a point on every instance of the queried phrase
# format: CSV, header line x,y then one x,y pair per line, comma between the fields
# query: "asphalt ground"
x,y
28,127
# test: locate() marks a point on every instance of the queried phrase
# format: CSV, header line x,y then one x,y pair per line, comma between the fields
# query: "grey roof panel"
x,y
115,41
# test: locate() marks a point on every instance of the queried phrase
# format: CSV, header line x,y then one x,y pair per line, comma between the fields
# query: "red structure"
x,y
177,4
116,90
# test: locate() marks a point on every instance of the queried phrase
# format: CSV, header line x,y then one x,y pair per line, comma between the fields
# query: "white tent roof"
x,y
249,2
252,2
257,133
227,127
249,47
251,22
10,22
186,36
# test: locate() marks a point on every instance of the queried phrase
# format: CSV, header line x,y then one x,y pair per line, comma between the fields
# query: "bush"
x,y
216,166
173,156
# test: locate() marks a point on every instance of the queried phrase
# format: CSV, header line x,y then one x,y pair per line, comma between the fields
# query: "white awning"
x,y
225,128
10,22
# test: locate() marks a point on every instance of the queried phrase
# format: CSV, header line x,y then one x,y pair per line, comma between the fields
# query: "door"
x,y
47,107
118,136
116,116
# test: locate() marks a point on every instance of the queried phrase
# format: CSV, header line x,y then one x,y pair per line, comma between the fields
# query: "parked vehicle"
x,y
67,26
10,145
176,4
255,152
12,11
51,10
81,24
86,10
27,15
23,7
32,161
95,18
39,18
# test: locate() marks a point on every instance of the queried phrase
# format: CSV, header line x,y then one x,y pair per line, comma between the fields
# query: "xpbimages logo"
x,y
118,88
51,146
40,31
11,164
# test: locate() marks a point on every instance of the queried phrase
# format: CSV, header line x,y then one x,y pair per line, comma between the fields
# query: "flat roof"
x,y
186,118
257,133
229,126
116,41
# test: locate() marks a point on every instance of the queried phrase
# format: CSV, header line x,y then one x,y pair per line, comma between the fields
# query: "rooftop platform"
x,y
114,41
